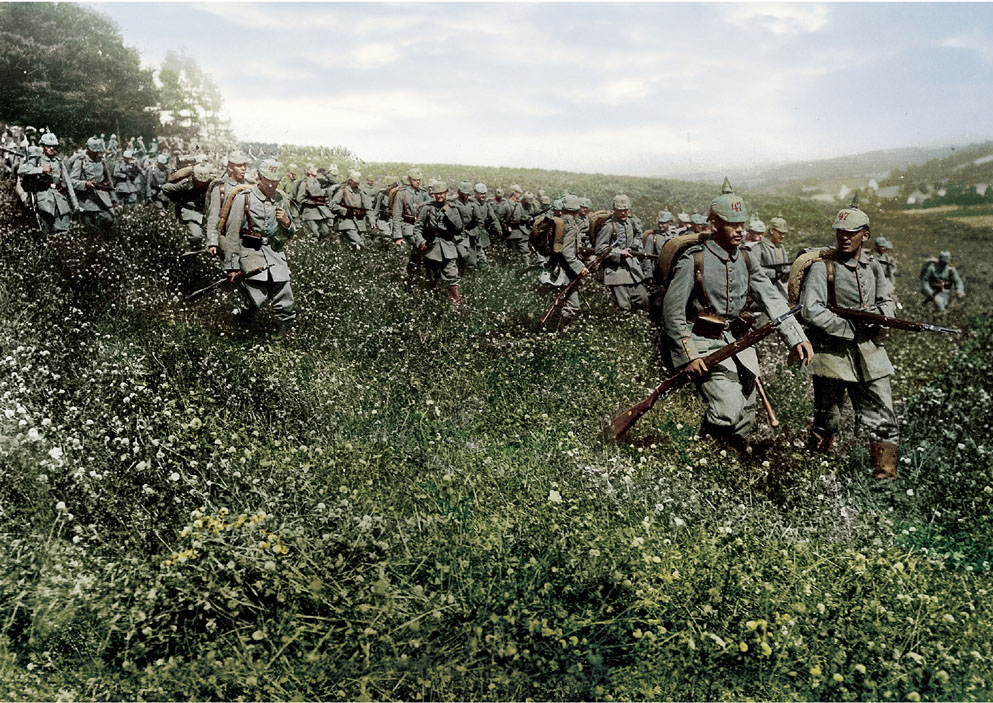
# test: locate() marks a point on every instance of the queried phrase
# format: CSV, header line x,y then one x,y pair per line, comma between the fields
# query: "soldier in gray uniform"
x,y
850,358
568,259
622,272
406,204
156,177
772,254
653,240
436,229
517,222
48,178
883,248
585,206
315,210
754,233
254,234
464,204
94,190
218,192
485,224
701,318
354,211
127,177
940,279
190,195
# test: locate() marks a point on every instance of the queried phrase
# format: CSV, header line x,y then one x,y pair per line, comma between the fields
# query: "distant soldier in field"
x,y
353,208
939,279
884,255
217,193
568,260
684,223
406,204
699,223
127,179
485,224
464,203
94,189
850,357
705,309
622,272
48,178
772,254
381,205
517,223
653,240
435,232
583,221
315,209
254,235
156,177
190,195
754,234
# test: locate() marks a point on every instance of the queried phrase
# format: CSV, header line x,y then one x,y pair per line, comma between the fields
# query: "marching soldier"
x,y
464,204
406,203
156,177
48,178
190,196
653,240
754,233
849,357
517,222
127,179
622,273
883,248
939,279
585,206
354,211
94,190
315,211
773,257
485,224
434,234
568,259
217,193
254,234
705,308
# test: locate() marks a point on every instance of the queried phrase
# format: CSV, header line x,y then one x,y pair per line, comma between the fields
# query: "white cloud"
x,y
974,40
778,19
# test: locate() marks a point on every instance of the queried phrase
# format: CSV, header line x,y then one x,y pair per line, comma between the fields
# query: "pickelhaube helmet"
x,y
465,188
271,170
163,158
332,170
237,158
698,219
545,200
95,144
439,187
621,202
49,139
128,154
664,216
779,224
355,176
586,202
571,203
415,174
201,172
557,204
480,188
514,188
883,243
851,219
756,226
728,206
945,257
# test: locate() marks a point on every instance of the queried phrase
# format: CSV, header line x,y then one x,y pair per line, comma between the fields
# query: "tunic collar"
x,y
862,260
720,252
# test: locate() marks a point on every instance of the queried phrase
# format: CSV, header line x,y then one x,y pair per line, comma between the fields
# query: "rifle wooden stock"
x,y
769,412
215,284
564,293
870,318
623,422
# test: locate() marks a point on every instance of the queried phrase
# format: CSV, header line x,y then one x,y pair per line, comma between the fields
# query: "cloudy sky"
x,y
641,89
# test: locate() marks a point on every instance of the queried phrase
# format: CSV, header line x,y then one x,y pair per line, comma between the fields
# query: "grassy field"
x,y
408,502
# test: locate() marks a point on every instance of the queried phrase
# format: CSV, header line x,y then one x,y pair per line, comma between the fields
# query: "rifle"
x,y
15,152
564,293
193,253
215,284
870,318
635,254
770,413
623,422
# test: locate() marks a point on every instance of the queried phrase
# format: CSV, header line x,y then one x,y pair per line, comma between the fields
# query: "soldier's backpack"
x,y
665,264
391,195
546,235
597,220
801,267
924,267
222,221
179,174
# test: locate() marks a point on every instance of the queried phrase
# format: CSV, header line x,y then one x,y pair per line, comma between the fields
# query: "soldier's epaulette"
x,y
420,206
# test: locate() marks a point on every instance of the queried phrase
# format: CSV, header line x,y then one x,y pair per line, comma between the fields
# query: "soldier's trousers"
x,y
518,246
446,271
319,229
352,235
630,297
127,198
872,401
941,300
53,223
195,235
252,295
730,397
94,221
477,255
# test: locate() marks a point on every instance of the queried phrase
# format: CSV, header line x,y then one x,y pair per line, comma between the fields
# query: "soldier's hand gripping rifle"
x,y
864,317
623,422
564,293
246,274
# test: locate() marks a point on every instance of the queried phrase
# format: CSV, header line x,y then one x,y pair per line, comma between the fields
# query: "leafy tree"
x,y
66,67
191,102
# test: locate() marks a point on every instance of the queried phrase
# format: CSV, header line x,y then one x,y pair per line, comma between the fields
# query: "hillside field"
x,y
407,502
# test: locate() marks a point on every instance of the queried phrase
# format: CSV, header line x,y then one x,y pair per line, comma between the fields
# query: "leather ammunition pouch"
x,y
251,240
316,201
409,219
711,325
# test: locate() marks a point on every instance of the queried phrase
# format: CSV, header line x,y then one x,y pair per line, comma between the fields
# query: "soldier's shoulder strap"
x,y
222,221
